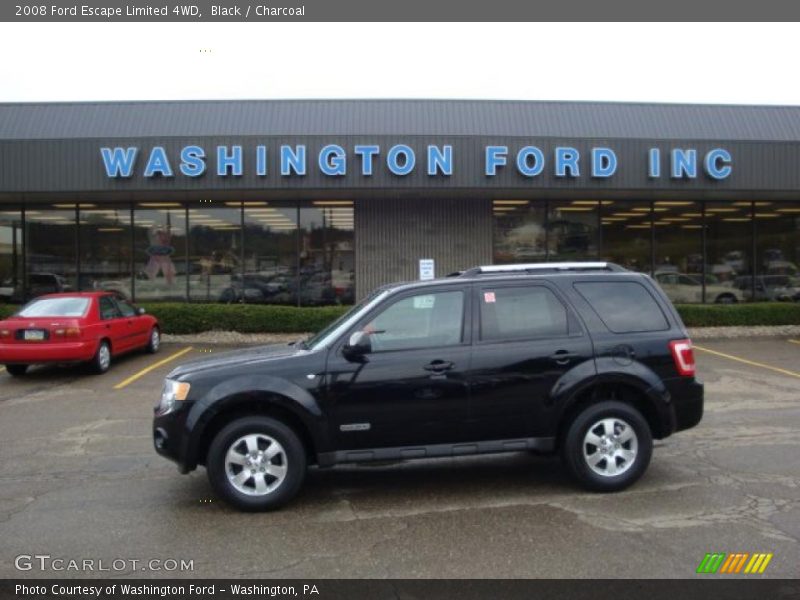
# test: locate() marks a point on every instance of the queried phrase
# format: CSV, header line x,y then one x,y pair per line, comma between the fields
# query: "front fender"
x,y
246,388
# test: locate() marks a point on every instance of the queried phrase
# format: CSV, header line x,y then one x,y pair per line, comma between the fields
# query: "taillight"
x,y
683,355
71,332
5,333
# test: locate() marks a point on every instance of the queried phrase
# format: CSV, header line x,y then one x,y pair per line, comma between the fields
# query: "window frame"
x,y
574,327
466,321
113,304
651,292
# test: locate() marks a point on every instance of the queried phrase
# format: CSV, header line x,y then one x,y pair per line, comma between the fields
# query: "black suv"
x,y
585,359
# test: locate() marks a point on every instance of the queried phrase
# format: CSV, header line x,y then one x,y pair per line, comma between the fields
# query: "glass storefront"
x,y
302,253
666,239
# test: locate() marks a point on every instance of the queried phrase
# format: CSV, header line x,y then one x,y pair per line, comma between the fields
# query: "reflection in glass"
x,y
159,251
679,251
572,230
777,252
729,240
519,231
51,241
215,251
11,258
270,256
105,249
326,261
626,234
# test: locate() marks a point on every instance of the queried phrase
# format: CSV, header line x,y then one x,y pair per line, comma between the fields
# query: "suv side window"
x,y
509,313
108,310
421,321
624,306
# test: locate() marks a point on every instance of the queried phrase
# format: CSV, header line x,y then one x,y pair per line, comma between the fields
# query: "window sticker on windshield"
x,y
488,297
423,301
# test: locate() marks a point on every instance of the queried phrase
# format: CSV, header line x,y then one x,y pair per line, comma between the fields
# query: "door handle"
x,y
439,366
562,357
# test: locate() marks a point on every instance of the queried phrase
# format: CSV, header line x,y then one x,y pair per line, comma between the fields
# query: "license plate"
x,y
33,335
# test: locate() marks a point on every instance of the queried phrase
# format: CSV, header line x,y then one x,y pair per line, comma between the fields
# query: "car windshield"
x,y
316,339
55,307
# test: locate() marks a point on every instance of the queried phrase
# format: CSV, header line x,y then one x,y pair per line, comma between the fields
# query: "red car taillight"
x,y
683,355
5,333
70,332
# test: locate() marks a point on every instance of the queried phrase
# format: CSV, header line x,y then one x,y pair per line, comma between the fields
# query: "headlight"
x,y
172,392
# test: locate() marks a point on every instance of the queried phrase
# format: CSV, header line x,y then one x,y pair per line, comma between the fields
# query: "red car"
x,y
73,328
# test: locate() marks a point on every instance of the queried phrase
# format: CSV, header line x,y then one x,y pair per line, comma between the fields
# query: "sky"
x,y
665,62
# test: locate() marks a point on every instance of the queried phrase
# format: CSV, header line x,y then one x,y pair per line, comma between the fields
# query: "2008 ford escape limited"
x,y
583,359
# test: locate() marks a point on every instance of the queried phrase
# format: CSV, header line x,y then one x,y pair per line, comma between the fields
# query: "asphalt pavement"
x,y
79,481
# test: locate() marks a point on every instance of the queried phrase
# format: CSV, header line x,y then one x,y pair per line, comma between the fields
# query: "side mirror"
x,y
140,311
358,345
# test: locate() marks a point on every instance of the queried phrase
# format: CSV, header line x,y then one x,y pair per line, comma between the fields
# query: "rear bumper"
x,y
47,352
687,398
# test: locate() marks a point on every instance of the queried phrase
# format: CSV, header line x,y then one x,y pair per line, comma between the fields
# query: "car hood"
x,y
242,356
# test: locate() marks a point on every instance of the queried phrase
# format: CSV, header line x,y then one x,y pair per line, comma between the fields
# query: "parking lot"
x,y
79,480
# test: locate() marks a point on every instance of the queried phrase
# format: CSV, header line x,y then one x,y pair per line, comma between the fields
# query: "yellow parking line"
x,y
794,341
749,362
146,370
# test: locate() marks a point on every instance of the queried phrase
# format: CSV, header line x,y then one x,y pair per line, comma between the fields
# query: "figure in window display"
x,y
160,251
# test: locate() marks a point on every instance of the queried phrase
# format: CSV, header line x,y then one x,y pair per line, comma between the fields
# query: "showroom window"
x,y
159,253
729,252
215,250
777,252
326,258
12,261
51,248
519,231
269,274
104,248
626,233
573,230
678,253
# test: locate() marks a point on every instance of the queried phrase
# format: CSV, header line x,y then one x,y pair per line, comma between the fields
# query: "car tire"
x,y
604,432
153,341
17,370
272,453
726,299
102,358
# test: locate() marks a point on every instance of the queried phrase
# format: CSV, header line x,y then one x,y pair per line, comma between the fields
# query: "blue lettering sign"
x,y
119,161
440,160
332,160
684,163
654,163
366,153
158,163
495,157
567,160
524,164
261,161
604,162
293,160
718,163
232,161
394,163
193,162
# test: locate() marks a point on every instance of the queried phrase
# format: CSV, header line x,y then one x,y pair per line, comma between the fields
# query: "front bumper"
x,y
170,438
47,352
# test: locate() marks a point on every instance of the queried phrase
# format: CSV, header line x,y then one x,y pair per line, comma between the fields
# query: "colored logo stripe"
x,y
733,563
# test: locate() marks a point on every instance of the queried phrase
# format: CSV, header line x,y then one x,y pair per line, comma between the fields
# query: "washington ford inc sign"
x,y
334,160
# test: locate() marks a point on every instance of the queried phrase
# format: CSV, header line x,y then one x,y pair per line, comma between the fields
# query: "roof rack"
x,y
540,267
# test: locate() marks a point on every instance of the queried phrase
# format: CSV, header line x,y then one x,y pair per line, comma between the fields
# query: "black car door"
x,y
526,339
410,388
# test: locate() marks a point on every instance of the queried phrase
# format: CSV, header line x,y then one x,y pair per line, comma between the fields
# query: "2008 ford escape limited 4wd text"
x,y
583,359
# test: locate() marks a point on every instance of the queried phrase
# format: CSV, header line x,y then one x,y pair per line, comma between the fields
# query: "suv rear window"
x,y
624,306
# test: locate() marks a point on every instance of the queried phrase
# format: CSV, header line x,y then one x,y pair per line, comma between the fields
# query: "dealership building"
x,y
310,202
